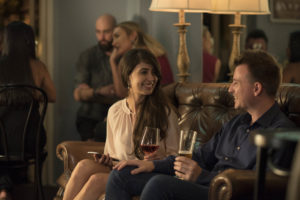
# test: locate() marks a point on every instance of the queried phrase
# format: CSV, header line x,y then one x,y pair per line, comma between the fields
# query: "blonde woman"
x,y
128,35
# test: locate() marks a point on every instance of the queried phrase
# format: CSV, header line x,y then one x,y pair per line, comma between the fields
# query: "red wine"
x,y
149,148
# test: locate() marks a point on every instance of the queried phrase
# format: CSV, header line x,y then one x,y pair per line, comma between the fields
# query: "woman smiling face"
x,y
122,41
142,80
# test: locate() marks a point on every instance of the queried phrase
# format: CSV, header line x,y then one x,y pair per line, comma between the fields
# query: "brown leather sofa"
x,y
204,107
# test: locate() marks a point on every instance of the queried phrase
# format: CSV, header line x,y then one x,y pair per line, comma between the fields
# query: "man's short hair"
x,y
263,68
256,34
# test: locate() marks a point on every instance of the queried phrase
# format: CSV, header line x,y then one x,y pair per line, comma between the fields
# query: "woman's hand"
x,y
104,159
114,56
142,166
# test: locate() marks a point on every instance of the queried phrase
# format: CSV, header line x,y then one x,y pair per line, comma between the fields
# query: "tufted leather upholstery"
x,y
205,107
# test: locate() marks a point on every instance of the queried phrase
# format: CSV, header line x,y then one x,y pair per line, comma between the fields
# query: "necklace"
x,y
130,110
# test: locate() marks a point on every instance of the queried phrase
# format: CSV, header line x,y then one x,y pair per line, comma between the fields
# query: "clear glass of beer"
x,y
187,142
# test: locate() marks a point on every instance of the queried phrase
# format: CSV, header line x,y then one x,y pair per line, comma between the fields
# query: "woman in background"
x,y
18,64
291,73
128,35
211,64
145,105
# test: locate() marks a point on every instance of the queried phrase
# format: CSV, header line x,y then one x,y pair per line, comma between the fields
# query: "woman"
x,y
145,105
211,64
128,35
291,73
19,64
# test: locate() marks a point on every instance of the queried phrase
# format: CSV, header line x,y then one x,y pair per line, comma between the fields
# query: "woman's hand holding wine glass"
x,y
150,143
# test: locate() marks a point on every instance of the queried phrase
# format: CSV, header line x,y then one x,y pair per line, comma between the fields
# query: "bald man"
x,y
93,83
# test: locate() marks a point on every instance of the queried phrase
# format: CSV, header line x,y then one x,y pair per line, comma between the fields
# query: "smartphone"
x,y
99,155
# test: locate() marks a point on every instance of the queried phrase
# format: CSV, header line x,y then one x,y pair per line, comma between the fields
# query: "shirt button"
x,y
238,148
226,158
248,130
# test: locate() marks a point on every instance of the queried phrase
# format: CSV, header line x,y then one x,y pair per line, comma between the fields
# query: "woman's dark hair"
x,y
18,49
294,46
155,109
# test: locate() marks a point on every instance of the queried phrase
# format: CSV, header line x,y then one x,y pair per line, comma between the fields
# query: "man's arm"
x,y
105,94
83,92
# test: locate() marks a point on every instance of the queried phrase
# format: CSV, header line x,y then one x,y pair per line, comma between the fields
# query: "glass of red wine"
x,y
150,140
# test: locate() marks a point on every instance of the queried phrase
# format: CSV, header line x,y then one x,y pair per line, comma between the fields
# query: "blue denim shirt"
x,y
231,146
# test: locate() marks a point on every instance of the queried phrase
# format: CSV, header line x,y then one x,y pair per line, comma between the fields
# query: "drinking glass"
x,y
187,142
150,140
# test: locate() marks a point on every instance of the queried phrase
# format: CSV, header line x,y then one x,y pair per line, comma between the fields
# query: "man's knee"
x,y
159,182
123,174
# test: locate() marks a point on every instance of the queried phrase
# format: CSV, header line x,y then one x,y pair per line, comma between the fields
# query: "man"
x,y
257,39
255,83
94,83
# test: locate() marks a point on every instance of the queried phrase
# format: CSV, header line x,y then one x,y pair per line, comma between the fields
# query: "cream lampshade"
x,y
238,8
182,6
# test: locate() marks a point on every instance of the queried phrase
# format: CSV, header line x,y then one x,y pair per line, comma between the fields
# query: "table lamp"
x,y
238,8
181,6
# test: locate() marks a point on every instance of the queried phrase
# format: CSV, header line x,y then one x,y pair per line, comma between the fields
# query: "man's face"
x,y
256,43
104,30
242,88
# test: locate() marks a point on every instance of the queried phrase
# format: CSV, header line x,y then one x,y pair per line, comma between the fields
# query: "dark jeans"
x,y
91,129
123,185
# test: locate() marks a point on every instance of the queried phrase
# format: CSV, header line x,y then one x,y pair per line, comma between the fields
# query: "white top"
x,y
119,137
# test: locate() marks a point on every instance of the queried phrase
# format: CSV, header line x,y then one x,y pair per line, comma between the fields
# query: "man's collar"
x,y
266,119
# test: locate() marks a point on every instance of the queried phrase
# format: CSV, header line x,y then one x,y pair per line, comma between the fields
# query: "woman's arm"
x,y
42,79
217,70
47,85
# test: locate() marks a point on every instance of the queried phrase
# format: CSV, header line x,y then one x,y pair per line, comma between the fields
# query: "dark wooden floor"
x,y
25,191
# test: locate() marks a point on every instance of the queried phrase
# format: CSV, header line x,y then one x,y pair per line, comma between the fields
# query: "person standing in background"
x,y
257,39
291,73
94,89
211,64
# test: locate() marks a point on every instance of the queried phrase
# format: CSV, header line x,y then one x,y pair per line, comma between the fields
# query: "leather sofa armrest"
x,y
71,152
235,184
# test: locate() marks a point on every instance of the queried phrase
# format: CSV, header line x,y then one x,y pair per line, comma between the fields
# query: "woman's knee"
x,y
98,179
83,168
83,164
